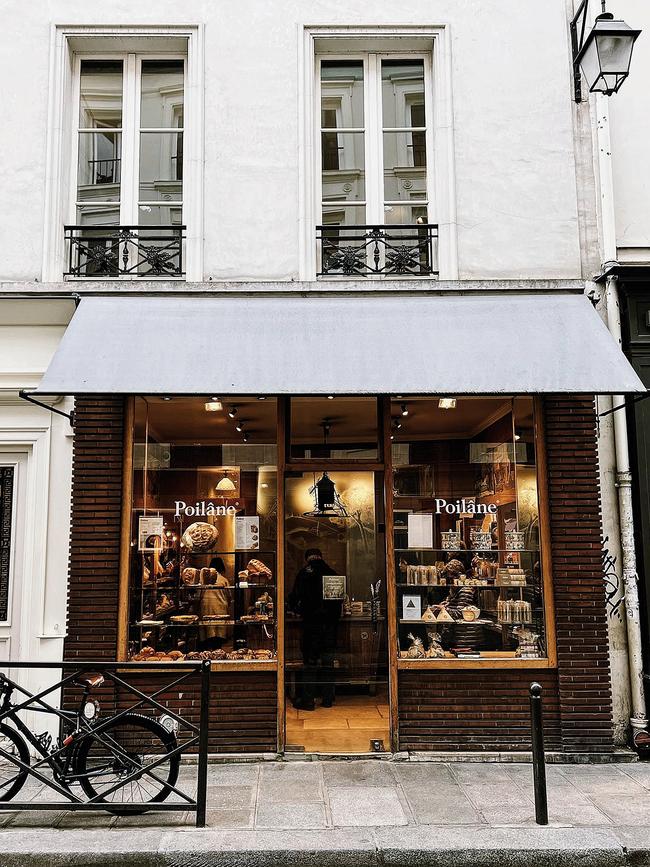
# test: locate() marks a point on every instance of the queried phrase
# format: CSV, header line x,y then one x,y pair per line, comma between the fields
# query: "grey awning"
x,y
345,344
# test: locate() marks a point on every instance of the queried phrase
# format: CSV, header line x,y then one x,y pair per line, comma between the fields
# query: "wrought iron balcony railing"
x,y
125,251
366,251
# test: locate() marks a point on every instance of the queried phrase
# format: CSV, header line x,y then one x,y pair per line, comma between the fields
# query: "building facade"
x,y
344,446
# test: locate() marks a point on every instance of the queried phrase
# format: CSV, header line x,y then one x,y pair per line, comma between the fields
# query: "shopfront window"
x,y
203,568
469,572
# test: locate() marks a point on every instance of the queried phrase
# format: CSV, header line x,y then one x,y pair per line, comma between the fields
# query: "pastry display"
x,y
184,619
190,575
200,536
470,612
444,616
435,649
429,615
256,567
416,648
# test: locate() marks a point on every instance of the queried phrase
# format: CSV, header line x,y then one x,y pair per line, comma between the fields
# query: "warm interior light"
x,y
239,427
405,409
447,403
232,412
225,484
213,406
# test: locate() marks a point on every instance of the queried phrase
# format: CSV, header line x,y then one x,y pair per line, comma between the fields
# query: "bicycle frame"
x,y
65,751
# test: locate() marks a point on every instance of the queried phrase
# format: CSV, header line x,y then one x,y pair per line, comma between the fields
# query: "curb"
x,y
423,846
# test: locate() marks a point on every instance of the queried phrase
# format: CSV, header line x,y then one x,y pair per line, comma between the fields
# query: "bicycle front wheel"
x,y
11,776
108,758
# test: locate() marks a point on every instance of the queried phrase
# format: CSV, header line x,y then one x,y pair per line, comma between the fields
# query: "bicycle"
x,y
100,755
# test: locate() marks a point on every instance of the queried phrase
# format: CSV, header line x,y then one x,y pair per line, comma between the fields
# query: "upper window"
x,y
129,167
375,147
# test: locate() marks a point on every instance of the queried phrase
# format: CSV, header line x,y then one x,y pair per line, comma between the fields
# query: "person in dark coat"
x,y
320,620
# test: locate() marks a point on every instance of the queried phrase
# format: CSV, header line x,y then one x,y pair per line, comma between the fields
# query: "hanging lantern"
x,y
604,56
327,503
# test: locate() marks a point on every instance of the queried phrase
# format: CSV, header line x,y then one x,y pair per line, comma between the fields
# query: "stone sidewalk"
x,y
375,812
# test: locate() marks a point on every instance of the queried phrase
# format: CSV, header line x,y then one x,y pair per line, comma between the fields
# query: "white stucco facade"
x,y
508,189
38,445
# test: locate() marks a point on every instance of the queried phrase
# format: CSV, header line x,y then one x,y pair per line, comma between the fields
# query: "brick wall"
x,y
467,710
580,612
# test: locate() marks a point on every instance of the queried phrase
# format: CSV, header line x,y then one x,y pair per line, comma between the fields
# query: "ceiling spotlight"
x,y
213,405
232,412
405,409
262,397
239,426
397,424
517,437
166,398
245,438
447,403
330,397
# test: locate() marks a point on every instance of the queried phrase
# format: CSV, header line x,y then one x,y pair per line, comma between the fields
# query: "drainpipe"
x,y
639,719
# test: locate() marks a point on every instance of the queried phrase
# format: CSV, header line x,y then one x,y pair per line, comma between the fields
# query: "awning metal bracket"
x,y
26,395
635,399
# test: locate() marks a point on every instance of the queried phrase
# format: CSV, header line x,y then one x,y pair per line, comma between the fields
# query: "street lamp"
x,y
605,55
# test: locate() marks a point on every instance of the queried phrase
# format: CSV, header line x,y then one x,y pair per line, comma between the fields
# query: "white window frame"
x,y
441,193
130,131
62,133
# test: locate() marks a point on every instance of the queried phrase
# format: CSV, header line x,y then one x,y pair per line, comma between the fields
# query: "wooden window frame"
x,y
385,466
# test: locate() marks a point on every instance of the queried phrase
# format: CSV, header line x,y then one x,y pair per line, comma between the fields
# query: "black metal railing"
x,y
118,748
365,251
124,251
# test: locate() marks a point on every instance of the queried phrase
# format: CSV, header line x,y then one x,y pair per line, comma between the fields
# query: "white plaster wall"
x,y
629,113
514,156
30,331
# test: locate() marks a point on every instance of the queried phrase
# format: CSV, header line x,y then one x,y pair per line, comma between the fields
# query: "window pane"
x,y
345,427
160,215
405,215
343,166
198,585
472,572
342,94
100,94
402,90
161,166
161,103
405,174
99,164
340,214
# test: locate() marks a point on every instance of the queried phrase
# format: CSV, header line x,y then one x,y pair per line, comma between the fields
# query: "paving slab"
x,y
291,783
352,773
290,816
229,819
229,797
365,806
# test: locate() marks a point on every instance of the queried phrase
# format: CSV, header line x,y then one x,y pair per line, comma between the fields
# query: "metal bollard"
x,y
539,765
202,770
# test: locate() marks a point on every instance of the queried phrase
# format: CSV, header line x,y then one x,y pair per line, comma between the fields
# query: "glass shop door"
x,y
336,656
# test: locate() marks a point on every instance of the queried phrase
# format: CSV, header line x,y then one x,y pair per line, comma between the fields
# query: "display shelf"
x,y
172,588
205,623
468,550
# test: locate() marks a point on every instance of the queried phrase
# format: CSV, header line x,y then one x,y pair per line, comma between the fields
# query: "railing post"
x,y
202,776
539,766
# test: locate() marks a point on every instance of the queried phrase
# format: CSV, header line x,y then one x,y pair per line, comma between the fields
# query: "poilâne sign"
x,y
463,506
202,509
